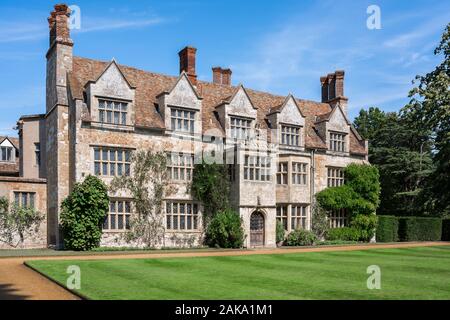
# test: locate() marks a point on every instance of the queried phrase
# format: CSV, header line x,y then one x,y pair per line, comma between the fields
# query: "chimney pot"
x,y
187,63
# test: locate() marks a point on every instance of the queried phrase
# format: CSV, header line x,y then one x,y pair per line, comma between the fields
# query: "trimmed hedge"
x,y
419,229
446,230
387,229
343,234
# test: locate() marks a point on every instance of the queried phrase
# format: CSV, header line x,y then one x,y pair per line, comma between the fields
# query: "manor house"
x,y
280,150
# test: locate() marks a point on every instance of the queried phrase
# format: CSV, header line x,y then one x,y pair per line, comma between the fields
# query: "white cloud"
x,y
105,25
412,38
21,31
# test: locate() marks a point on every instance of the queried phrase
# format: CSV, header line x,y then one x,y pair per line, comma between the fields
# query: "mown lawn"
x,y
408,273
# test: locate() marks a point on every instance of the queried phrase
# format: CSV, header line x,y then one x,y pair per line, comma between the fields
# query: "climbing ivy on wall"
x,y
210,185
359,195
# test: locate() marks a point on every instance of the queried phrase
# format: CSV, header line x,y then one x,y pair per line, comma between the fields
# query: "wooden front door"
x,y
257,229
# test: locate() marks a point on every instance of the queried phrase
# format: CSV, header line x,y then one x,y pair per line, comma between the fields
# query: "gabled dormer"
x,y
238,115
334,127
111,99
288,124
181,107
8,151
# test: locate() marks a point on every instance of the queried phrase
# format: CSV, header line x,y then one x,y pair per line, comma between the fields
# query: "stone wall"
x,y
38,186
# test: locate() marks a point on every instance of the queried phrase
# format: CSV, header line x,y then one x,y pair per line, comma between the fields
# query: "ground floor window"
x,y
293,216
282,215
25,199
118,218
298,217
182,216
338,218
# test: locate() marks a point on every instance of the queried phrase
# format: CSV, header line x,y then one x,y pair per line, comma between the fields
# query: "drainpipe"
x,y
312,189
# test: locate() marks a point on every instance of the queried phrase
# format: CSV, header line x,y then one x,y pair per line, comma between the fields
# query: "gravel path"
x,y
18,282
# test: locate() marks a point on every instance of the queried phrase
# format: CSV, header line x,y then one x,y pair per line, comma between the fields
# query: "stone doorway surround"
x,y
257,229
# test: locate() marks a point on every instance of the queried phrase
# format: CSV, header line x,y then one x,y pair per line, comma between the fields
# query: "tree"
x,y
17,223
147,185
402,153
429,108
83,213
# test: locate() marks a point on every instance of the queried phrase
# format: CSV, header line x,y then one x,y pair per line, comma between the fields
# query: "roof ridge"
x,y
256,91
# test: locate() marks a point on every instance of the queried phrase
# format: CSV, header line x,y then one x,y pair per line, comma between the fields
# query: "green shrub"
x,y
387,229
225,230
344,234
301,237
280,232
419,229
83,213
366,226
446,230
335,242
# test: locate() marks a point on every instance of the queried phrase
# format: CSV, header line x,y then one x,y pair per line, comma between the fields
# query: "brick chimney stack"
x,y
187,63
58,23
222,76
217,75
333,89
226,77
339,81
332,85
324,86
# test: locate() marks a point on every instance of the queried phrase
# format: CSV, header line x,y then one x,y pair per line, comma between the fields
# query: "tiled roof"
x,y
149,85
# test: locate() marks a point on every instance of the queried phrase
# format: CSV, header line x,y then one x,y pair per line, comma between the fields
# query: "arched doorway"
x,y
257,229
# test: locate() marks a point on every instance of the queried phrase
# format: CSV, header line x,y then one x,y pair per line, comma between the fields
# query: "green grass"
x,y
407,273
11,253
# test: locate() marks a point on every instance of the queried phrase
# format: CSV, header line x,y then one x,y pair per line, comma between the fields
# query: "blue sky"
x,y
278,46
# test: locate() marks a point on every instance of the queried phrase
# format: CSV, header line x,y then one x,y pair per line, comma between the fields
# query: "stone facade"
x,y
11,185
98,111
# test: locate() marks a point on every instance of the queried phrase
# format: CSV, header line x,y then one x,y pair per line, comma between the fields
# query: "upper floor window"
x,y
335,177
257,168
337,142
240,128
180,166
112,112
37,152
182,216
299,174
24,199
7,154
290,135
182,120
112,161
282,174
118,218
